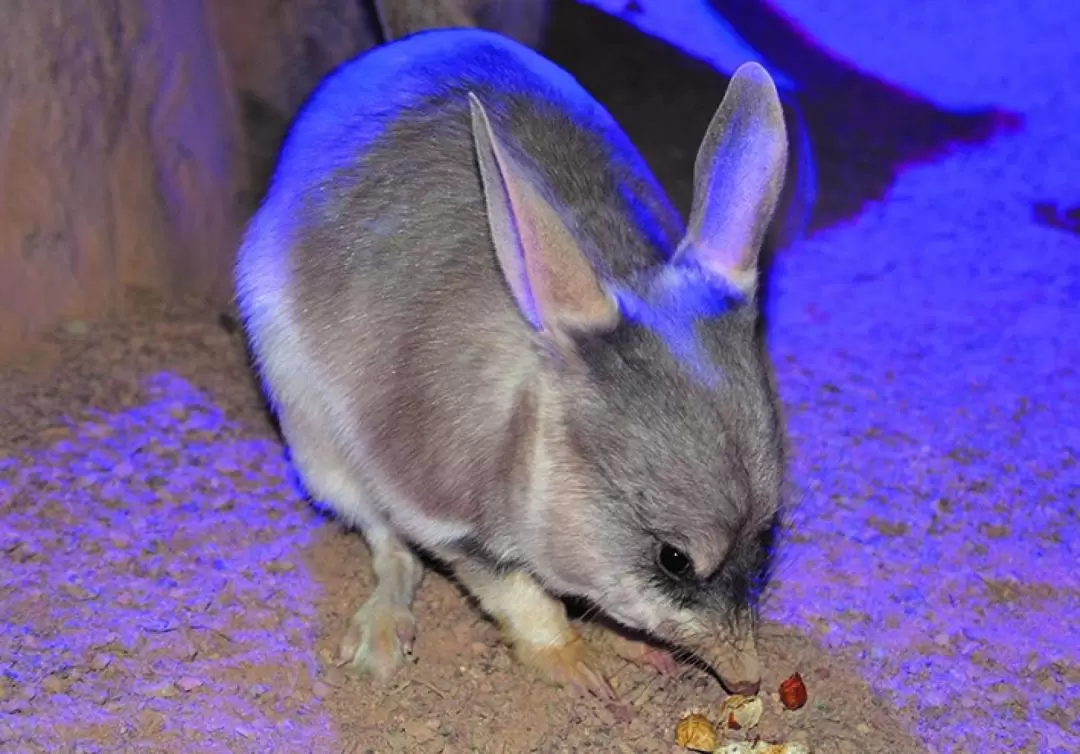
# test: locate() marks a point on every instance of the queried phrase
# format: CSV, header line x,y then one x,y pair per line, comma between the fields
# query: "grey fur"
x,y
394,349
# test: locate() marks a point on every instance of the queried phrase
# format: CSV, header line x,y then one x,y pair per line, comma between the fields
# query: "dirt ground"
x,y
165,587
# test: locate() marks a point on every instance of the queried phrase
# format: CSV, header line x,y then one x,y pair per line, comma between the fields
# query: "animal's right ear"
x,y
551,279
738,177
399,18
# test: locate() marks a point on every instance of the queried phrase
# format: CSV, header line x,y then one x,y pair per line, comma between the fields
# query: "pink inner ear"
x,y
565,287
501,214
552,281
738,177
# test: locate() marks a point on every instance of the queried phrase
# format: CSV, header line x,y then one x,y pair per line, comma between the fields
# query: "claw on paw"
x,y
377,639
570,665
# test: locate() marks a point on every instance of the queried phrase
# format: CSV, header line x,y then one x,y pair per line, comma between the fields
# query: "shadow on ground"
x,y
863,131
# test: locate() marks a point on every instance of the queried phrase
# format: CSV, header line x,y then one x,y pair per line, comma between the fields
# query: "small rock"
x,y
604,715
79,593
863,728
106,639
622,712
162,689
418,731
279,566
335,677
163,626
76,327
320,689
189,683
53,684
58,432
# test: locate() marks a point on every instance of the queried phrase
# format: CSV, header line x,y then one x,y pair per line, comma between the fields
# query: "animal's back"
x,y
382,158
368,279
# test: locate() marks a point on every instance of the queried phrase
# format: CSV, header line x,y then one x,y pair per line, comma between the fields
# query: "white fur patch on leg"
x,y
526,612
535,624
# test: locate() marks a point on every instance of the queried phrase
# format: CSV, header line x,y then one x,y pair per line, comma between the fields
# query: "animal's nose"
x,y
745,688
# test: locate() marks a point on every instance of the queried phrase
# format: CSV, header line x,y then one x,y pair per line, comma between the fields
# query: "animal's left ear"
x,y
552,281
738,177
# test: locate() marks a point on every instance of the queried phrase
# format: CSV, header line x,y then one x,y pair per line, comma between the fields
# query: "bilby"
x,y
488,336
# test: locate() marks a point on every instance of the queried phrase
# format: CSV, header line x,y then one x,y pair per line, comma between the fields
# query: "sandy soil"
x,y
167,588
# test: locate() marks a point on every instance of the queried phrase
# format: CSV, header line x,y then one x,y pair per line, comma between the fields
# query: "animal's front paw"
x,y
569,664
378,638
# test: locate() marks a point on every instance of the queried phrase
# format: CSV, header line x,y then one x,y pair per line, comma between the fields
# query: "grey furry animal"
x,y
488,336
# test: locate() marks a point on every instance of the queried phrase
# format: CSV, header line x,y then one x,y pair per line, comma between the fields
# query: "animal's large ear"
x,y
399,18
552,281
738,177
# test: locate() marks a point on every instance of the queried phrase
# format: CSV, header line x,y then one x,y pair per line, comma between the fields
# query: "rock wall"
x,y
277,52
120,158
136,137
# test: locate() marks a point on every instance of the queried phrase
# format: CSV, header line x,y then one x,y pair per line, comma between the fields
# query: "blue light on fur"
x,y
679,299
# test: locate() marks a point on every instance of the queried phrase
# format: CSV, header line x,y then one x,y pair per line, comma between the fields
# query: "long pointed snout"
x,y
732,654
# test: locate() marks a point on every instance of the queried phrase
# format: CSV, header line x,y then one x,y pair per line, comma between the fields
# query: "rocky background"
x,y
136,136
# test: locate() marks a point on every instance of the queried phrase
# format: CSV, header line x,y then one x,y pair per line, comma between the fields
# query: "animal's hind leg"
x,y
382,630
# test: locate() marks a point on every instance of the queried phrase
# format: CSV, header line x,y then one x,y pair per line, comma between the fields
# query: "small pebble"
x,y
418,731
279,566
334,677
603,714
161,689
82,594
76,327
53,684
188,683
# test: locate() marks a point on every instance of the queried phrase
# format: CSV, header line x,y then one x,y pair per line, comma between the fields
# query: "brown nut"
x,y
696,733
740,711
793,692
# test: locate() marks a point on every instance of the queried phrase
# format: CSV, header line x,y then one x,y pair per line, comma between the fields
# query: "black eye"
x,y
674,563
